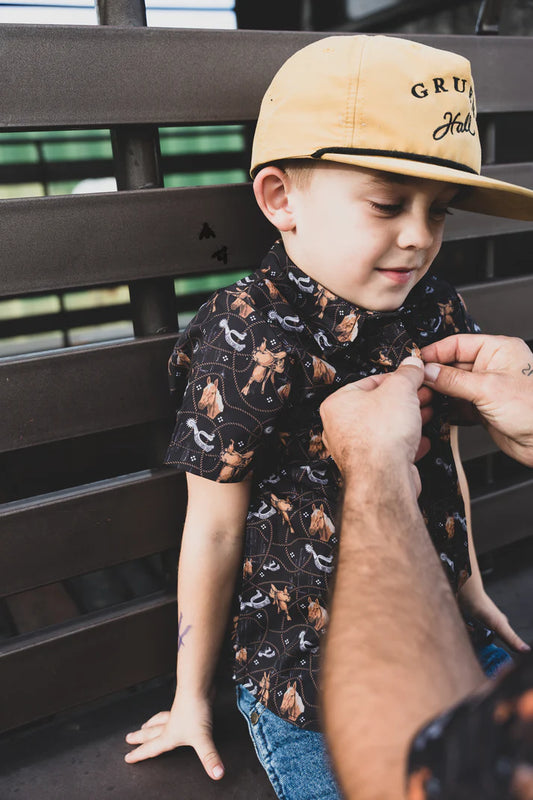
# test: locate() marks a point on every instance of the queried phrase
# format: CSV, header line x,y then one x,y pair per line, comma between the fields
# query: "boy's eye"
x,y
387,208
440,212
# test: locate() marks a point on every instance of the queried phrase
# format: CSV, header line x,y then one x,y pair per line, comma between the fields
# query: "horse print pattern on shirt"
x,y
249,374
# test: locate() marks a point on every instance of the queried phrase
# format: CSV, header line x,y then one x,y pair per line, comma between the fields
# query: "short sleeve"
x,y
482,749
230,375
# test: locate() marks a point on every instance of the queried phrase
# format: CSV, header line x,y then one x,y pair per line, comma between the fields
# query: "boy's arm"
x,y
472,597
211,551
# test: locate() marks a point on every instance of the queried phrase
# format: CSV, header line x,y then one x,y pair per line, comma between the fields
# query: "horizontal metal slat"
x,y
467,225
67,533
475,442
72,170
67,242
502,517
135,76
502,307
48,605
87,659
83,390
137,642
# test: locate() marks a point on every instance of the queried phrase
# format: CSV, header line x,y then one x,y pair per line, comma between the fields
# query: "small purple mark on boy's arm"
x,y
182,633
528,370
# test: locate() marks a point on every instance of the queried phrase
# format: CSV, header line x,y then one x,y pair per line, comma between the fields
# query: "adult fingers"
x,y
426,414
210,758
410,371
454,382
463,347
423,448
417,483
373,381
366,384
425,396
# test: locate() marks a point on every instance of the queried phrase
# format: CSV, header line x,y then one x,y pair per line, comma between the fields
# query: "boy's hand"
x,y
188,723
475,602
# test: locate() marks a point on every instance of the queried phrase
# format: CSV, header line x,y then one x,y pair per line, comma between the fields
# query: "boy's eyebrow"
x,y
387,179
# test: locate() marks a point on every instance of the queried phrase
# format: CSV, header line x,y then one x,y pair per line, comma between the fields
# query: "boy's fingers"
x,y
148,750
210,758
508,635
158,719
144,735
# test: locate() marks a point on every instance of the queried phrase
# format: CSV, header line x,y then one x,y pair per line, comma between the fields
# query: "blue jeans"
x,y
492,658
295,760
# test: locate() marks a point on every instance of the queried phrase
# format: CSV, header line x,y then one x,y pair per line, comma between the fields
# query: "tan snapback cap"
x,y
387,104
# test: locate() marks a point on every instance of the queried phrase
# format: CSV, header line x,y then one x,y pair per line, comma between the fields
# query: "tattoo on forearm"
x,y
528,370
181,632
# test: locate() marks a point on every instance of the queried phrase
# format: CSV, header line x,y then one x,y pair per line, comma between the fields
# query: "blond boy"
x,y
362,145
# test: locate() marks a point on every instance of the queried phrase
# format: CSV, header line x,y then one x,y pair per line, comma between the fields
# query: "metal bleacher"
x,y
84,428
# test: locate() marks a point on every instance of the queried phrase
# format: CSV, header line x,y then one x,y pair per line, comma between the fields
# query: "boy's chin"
x,y
392,304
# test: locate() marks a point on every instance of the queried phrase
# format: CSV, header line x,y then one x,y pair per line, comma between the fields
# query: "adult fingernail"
x,y
525,648
218,771
413,361
431,372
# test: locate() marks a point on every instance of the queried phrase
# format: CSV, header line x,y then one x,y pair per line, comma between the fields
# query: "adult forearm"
x,y
397,652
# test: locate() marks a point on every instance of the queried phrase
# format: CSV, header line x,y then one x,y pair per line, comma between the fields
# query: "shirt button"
x,y
254,716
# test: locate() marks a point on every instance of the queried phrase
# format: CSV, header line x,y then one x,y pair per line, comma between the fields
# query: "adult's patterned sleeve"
x,y
480,750
230,374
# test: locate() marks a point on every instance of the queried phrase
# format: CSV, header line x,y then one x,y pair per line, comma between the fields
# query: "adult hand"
x,y
188,723
378,420
495,373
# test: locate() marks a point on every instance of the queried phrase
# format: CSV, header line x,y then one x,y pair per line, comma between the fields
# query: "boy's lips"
x,y
397,274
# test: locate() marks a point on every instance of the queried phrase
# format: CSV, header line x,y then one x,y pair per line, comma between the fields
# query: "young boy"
x,y
362,144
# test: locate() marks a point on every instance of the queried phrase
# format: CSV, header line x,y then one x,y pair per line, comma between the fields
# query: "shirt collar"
x,y
334,322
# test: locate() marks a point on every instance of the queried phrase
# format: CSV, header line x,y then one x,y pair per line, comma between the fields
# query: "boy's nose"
x,y
416,232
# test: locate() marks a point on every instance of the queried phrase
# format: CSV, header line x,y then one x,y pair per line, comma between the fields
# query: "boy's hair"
x,y
299,170
386,104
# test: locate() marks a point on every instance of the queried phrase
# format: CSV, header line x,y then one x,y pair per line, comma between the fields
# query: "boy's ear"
x,y
272,192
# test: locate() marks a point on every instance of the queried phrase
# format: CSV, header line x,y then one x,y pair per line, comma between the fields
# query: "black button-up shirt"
x,y
250,372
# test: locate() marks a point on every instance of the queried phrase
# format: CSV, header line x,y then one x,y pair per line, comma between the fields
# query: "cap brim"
x,y
487,195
